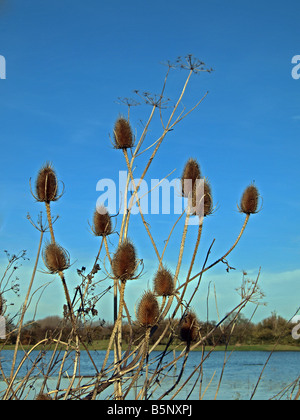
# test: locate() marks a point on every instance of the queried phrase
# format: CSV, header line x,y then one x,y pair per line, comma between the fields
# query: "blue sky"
x,y
69,61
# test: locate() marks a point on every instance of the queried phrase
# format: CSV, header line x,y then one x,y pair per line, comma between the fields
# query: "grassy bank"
x,y
102,345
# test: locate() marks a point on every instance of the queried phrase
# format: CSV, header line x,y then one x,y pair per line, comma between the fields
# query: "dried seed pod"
x,y
189,329
190,174
208,201
148,310
102,222
46,186
249,201
43,397
123,134
202,200
124,262
56,258
163,282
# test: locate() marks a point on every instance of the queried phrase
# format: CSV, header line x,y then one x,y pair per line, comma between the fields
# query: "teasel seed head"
x,y
249,201
202,204
102,222
208,200
148,310
189,328
189,176
163,282
46,186
124,262
43,397
56,258
123,134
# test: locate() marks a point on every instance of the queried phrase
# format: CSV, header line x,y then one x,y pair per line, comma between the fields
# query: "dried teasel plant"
x,y
148,310
124,262
157,310
189,328
46,185
102,224
164,282
249,200
191,173
202,200
43,397
123,137
208,199
46,190
56,258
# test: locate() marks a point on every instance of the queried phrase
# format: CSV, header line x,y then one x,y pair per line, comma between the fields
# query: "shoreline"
x,y
102,346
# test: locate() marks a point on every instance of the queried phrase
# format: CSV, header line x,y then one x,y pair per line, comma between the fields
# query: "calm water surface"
x,y
239,377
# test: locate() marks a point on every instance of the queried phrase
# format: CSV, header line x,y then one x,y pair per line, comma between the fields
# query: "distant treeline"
x,y
236,330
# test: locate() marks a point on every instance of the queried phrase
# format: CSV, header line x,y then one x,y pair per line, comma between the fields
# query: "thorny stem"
x,y
191,265
118,336
182,245
180,300
224,256
131,166
68,299
200,277
167,128
195,250
49,217
138,202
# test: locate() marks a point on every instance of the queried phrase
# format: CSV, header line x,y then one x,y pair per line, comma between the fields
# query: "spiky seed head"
x,y
56,258
189,328
124,262
148,310
102,222
123,134
189,176
208,200
202,200
43,397
46,186
164,282
249,201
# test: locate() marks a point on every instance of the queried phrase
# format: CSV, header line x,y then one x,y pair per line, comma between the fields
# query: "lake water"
x,y
239,378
